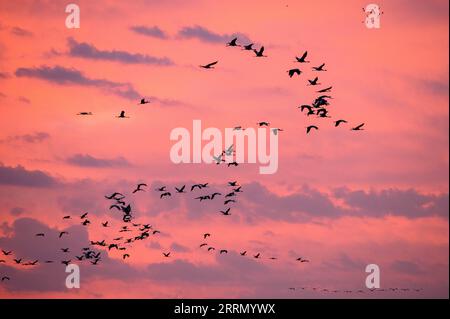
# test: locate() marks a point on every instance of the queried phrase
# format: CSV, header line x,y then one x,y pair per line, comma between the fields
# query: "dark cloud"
x,y
408,203
21,32
179,248
16,211
33,138
406,267
70,76
153,31
88,51
19,176
86,160
24,100
203,34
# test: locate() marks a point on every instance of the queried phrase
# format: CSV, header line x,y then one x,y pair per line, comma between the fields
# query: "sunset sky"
x,y
341,199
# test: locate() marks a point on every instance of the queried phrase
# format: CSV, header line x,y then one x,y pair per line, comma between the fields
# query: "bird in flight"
x,y
105,224
336,123
233,184
223,251
203,245
314,81
291,72
248,47
144,101
259,53
84,215
161,189
232,43
84,113
139,187
229,201
226,212
309,128
260,124
358,128
66,217
165,194
122,115
243,253
209,65
125,256
114,196
257,255
63,233
181,189
206,235
166,254
319,68
276,130
40,235
302,59
328,89
5,278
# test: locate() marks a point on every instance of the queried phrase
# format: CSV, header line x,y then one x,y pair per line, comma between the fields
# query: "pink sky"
x,y
342,199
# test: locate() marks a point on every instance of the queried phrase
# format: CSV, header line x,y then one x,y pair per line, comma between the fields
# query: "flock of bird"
x,y
317,107
130,232
353,291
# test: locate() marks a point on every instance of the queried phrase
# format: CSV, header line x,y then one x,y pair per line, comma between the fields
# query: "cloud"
x,y
406,267
179,248
4,75
88,51
33,138
19,176
23,100
153,31
408,203
16,211
86,160
205,35
70,76
21,32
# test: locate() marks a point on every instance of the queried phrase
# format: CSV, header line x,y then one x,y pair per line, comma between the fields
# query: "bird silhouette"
x,y
319,68
314,81
336,123
122,115
206,235
232,43
166,254
358,128
209,65
165,194
144,101
84,113
63,233
226,212
181,189
259,53
328,89
309,128
248,47
291,72
139,187
302,59
243,253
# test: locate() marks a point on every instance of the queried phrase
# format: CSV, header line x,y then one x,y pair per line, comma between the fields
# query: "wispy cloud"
x,y
153,31
88,51
21,32
86,160
19,176
37,137
71,76
205,35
